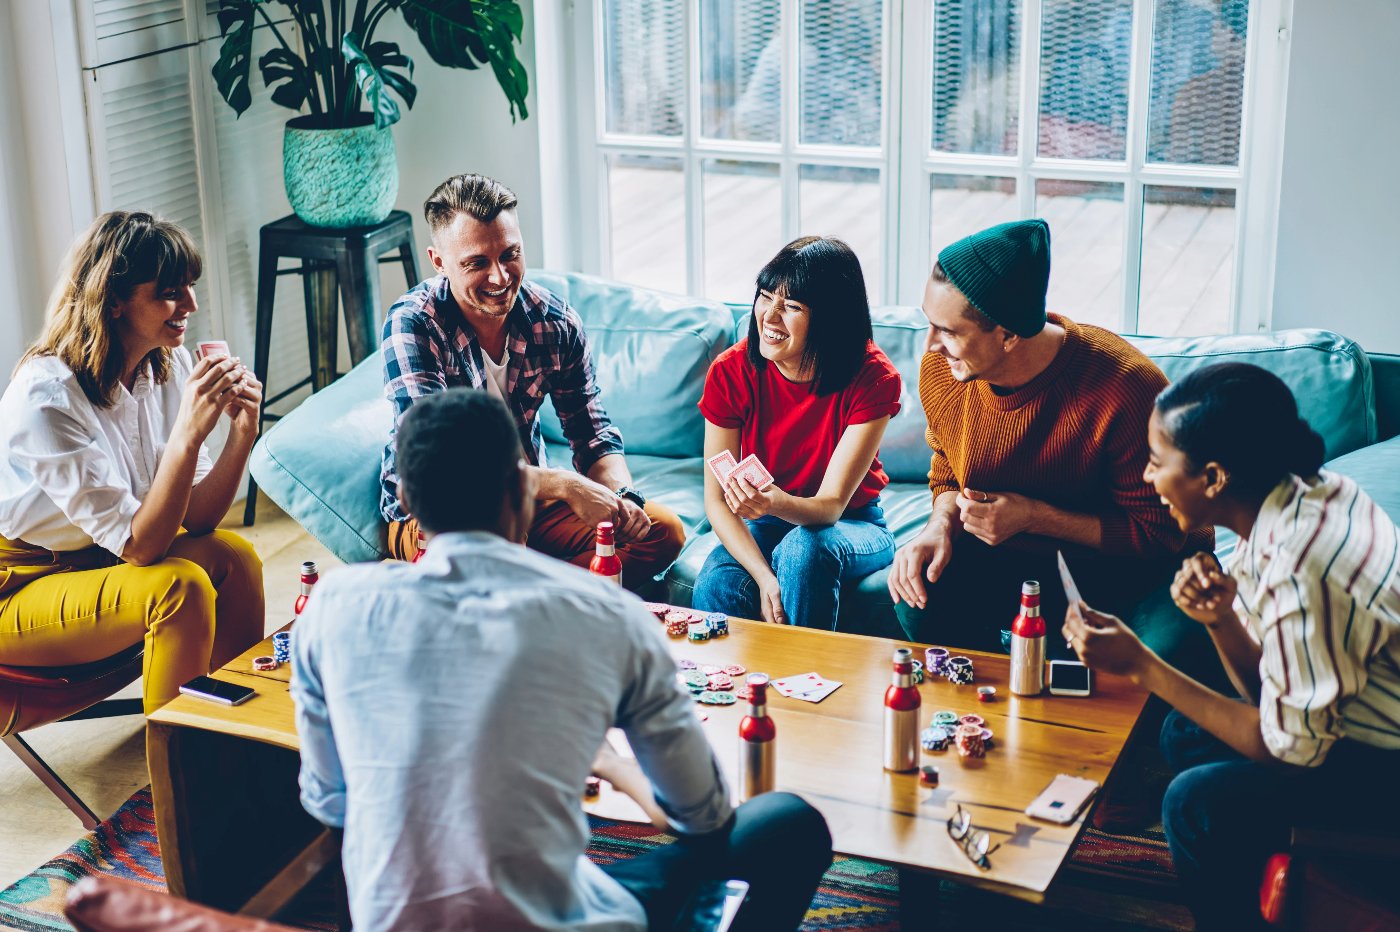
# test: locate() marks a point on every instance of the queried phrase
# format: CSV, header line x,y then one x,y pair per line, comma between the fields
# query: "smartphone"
x,y
1063,799
206,687
1069,678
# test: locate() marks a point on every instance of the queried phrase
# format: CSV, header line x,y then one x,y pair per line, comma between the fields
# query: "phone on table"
x,y
1063,799
1069,678
206,687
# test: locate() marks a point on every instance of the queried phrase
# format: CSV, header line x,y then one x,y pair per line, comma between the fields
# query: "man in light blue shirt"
x,y
450,711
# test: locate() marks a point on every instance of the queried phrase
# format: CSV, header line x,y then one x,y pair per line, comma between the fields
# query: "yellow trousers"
x,y
197,609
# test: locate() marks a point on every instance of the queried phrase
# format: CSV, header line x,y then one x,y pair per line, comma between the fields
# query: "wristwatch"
x,y
633,496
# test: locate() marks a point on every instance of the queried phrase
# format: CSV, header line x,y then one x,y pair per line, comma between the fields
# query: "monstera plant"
x,y
338,157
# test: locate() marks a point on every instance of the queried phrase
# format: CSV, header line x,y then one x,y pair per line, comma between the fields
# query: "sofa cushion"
x,y
651,351
1377,470
320,464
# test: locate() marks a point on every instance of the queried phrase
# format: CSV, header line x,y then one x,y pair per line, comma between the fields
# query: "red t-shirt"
x,y
794,430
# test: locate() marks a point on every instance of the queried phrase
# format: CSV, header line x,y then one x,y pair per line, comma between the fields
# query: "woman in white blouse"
x,y
1306,622
108,497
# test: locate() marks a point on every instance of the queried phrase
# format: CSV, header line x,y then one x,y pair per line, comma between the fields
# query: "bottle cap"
x,y
1030,587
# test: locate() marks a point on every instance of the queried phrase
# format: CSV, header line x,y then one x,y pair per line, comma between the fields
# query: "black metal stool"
x,y
349,256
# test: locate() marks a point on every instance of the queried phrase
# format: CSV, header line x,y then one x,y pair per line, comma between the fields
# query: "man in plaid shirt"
x,y
478,324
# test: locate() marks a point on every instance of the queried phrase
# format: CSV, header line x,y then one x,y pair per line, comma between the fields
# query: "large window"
x,y
714,131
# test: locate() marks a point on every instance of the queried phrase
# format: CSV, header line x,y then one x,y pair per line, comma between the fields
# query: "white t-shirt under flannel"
x,y
1319,588
73,474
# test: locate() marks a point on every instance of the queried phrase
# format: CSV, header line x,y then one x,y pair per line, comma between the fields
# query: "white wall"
x,y
16,299
1339,202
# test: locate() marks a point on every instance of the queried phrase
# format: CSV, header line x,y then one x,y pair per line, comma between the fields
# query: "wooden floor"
x,y
104,760
1187,255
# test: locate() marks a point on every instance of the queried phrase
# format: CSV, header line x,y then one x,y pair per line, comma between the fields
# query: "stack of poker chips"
x,y
698,631
677,622
970,743
935,738
719,624
918,672
960,671
282,647
936,661
928,775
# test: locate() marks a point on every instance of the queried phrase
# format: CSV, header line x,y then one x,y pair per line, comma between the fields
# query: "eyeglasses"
x,y
974,842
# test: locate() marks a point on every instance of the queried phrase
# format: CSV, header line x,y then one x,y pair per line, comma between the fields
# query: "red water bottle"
x,y
605,560
308,579
757,742
902,703
1028,644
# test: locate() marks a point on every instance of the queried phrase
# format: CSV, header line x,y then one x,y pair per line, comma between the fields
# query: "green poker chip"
x,y
945,717
711,697
696,680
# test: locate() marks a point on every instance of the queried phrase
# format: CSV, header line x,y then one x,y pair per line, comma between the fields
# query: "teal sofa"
x,y
320,464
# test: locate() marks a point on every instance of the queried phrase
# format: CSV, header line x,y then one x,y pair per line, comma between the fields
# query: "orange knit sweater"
x,y
1075,437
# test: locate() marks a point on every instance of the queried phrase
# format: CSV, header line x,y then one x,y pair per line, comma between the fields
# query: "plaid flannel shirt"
x,y
427,347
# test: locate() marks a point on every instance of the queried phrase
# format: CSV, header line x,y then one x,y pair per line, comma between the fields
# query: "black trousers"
x,y
776,842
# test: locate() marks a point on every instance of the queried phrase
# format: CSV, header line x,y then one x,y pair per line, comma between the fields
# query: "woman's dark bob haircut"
x,y
1244,418
824,274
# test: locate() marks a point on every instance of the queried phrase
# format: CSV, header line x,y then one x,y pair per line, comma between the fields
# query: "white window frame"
x,y
908,159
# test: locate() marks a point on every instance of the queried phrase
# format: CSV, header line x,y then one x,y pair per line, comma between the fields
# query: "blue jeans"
x,y
811,564
1225,814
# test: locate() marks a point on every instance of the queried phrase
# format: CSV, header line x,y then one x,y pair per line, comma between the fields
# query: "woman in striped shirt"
x,y
1306,621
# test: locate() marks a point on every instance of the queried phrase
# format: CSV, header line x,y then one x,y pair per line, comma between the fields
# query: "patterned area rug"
x,y
1114,882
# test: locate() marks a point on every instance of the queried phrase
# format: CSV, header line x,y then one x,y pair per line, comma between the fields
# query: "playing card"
x,y
213,349
722,464
751,469
810,687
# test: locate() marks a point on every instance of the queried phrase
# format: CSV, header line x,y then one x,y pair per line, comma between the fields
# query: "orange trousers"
x,y
558,532
197,609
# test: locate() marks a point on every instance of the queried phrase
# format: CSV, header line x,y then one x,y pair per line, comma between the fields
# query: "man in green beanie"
x,y
1039,433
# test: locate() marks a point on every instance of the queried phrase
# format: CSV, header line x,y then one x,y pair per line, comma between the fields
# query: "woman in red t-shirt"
x,y
809,393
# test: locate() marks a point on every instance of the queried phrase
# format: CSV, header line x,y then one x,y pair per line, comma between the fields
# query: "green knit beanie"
x,y
1004,271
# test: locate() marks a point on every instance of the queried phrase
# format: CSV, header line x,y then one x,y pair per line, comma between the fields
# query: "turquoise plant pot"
x,y
339,177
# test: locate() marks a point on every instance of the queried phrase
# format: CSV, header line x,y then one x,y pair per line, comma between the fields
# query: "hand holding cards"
x,y
749,468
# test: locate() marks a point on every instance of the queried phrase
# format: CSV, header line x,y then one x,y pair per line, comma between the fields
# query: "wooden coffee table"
x,y
224,779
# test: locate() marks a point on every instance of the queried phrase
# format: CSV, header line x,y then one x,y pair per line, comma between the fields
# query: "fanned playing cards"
x,y
809,687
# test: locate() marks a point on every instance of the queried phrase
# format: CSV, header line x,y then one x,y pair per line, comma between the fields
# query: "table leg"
x,y
227,813
918,899
359,292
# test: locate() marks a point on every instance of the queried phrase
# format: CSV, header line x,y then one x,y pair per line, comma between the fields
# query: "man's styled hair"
x,y
120,250
458,456
824,274
484,198
970,311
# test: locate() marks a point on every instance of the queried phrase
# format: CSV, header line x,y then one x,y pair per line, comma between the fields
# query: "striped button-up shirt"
x,y
1319,588
428,346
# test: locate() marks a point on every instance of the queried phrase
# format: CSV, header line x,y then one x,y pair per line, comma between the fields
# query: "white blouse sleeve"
x,y
55,441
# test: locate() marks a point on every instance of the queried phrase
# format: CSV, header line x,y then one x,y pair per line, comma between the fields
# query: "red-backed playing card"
x,y
213,349
751,469
722,464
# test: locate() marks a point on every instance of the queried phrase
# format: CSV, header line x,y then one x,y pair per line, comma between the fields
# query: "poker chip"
x,y
928,775
735,669
969,741
710,669
987,738
677,627
934,738
713,697
696,680
266,663
718,622
676,616
721,682
686,664
945,717
743,693
698,631
592,787
918,672
282,646
659,609
971,719
986,693
960,672
936,661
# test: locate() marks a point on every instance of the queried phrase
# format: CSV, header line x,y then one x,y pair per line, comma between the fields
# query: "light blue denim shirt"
x,y
449,712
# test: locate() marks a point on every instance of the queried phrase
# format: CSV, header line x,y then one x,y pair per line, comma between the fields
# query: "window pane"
x,y
740,70
646,201
644,68
976,76
1197,82
1085,48
743,225
845,203
964,204
1188,260
839,91
1086,249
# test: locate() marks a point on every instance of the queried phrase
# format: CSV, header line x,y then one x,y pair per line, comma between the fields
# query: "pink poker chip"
x,y
743,694
711,669
735,669
266,663
971,719
720,682
685,664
